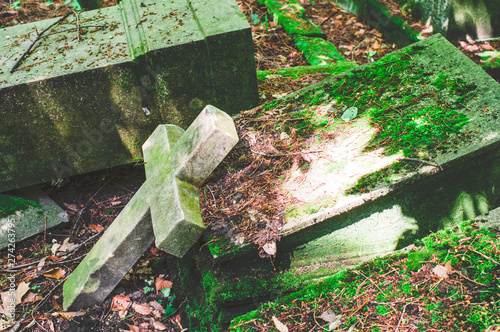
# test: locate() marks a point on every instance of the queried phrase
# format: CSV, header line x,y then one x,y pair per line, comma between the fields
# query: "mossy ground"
x,y
450,281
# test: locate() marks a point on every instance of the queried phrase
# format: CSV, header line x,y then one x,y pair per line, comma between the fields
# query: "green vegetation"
x,y
412,110
451,281
10,204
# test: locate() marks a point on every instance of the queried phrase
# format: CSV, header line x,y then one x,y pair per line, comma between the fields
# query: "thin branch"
x,y
81,211
39,36
286,154
16,268
421,161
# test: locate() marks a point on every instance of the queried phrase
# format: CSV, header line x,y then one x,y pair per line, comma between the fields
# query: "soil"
x,y
94,200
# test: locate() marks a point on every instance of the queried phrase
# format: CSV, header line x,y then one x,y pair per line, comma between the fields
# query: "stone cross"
x,y
166,207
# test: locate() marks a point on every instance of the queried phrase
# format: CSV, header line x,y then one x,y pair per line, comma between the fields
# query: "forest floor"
x,y
145,301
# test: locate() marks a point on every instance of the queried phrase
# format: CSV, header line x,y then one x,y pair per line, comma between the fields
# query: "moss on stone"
x,y
10,204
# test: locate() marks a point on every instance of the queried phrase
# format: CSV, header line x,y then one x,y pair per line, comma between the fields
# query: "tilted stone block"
x,y
80,102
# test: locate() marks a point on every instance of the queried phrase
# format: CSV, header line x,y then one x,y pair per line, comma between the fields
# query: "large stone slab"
x,y
166,207
86,99
27,212
422,153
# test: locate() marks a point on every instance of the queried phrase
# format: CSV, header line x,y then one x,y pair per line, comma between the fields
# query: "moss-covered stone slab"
x,y
86,99
318,51
165,208
401,147
291,15
27,212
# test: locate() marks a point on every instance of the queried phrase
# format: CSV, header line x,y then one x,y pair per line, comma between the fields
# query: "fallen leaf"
x,y
270,248
72,207
51,325
55,273
141,309
96,228
279,325
67,246
54,248
328,316
68,315
55,304
20,291
122,313
443,271
159,326
4,325
41,264
32,297
8,297
116,203
133,328
161,283
120,302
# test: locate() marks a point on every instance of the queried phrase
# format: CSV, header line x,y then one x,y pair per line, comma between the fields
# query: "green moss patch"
x,y
11,204
450,281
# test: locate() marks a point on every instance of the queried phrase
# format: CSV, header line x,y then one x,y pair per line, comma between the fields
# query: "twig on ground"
x,y
16,268
286,154
421,161
39,36
81,211
17,326
401,318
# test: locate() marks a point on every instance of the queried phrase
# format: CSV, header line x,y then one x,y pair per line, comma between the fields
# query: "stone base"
x,y
30,211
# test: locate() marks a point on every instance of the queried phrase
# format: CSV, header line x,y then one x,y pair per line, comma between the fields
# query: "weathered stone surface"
x,y
75,106
166,206
27,212
457,19
337,222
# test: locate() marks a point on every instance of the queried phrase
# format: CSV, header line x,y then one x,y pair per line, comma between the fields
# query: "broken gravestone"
x,y
96,83
420,151
26,212
166,207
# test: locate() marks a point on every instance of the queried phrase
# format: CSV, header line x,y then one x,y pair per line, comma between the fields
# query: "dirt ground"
x,y
94,200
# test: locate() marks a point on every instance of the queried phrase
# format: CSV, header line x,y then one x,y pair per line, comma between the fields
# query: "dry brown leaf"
x,y
4,325
443,271
122,313
94,228
279,325
270,248
142,309
68,315
67,246
32,297
54,248
55,304
41,264
156,305
55,273
159,326
6,297
116,203
72,207
161,283
133,328
177,319
51,325
20,291
120,302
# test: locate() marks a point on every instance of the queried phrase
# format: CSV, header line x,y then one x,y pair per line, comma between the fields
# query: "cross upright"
x,y
166,207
